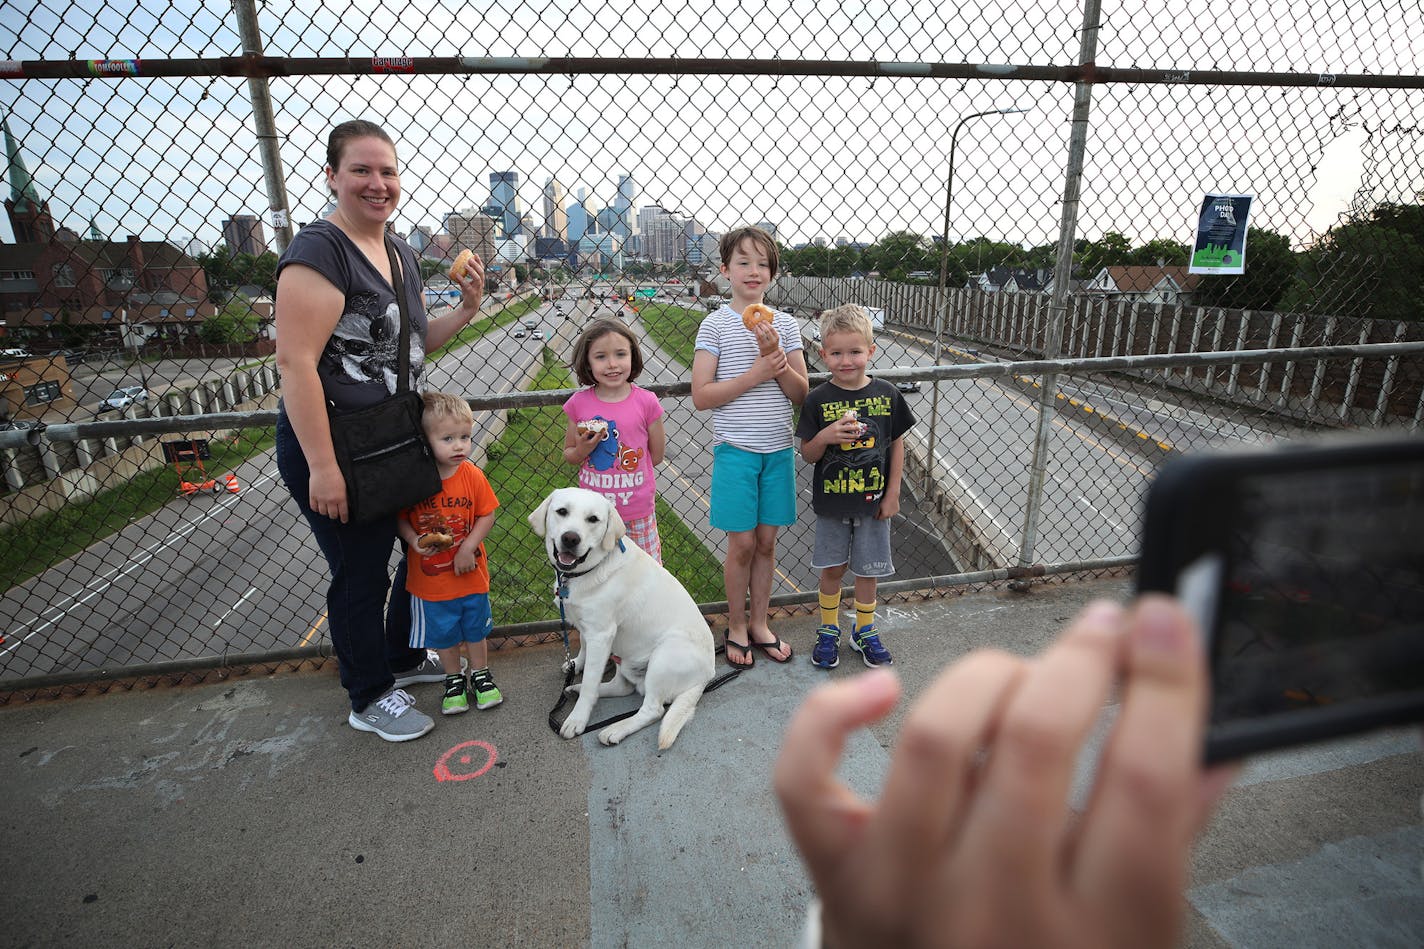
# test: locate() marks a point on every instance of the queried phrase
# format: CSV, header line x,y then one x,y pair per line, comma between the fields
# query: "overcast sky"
x,y
830,158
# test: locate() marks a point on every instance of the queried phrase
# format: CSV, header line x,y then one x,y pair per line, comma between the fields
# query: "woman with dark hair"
x,y
338,329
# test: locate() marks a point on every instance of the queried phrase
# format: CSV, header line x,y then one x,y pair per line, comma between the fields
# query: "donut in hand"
x,y
757,314
461,264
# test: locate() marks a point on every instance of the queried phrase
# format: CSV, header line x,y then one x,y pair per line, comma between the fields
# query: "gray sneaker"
x,y
393,716
429,670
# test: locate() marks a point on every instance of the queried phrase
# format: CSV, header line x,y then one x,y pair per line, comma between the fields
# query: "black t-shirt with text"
x,y
850,478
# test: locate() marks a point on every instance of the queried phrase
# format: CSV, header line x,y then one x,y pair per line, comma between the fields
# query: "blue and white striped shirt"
x,y
759,419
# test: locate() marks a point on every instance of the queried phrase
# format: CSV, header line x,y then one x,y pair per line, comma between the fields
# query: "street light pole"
x,y
943,313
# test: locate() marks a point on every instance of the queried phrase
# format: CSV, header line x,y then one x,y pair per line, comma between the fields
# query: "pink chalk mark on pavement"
x,y
462,757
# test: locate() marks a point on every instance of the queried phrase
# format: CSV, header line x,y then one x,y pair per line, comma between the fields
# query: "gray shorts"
x,y
861,542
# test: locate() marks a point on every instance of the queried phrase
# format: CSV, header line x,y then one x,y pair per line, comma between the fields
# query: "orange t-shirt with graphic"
x,y
464,498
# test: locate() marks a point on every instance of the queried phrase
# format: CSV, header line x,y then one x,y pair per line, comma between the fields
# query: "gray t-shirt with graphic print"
x,y
358,366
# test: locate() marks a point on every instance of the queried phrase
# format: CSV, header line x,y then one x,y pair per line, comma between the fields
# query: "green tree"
x,y
1361,270
234,323
1090,257
1270,270
222,277
1169,253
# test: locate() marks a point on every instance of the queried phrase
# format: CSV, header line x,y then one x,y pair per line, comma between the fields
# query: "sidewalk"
x,y
248,813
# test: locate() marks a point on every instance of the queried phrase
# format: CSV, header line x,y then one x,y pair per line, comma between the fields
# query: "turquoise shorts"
x,y
751,488
444,624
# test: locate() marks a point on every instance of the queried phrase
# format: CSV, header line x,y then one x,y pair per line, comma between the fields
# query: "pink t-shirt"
x,y
619,467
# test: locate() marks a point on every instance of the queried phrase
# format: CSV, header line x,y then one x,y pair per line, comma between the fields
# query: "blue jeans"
x,y
367,646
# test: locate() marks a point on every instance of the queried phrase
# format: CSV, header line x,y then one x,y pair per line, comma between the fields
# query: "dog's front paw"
x,y
574,725
610,736
573,689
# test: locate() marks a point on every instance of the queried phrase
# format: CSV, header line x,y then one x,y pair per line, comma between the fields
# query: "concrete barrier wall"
x,y
1337,392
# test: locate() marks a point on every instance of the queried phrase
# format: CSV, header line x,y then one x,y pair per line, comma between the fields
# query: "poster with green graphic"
x,y
1221,234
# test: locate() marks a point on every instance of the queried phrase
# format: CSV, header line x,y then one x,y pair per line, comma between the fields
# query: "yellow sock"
x,y
864,614
830,608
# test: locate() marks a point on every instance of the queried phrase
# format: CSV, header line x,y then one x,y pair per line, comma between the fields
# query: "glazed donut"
x,y
756,314
462,262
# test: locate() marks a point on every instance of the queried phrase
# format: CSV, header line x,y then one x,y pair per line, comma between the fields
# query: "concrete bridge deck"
x,y
246,812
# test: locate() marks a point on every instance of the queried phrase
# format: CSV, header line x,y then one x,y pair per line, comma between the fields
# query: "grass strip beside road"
x,y
524,465
673,328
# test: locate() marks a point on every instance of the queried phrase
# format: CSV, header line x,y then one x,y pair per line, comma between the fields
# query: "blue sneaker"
x,y
827,654
867,643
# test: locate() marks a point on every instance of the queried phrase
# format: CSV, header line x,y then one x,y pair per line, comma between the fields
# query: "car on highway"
x,y
122,398
908,385
520,334
538,334
16,425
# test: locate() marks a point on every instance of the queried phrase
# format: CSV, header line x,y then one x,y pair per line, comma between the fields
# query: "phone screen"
x,y
1323,602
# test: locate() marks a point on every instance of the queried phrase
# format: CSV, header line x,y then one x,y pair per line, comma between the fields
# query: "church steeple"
x,y
29,213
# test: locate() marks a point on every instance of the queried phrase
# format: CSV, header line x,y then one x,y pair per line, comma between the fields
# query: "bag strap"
x,y
398,284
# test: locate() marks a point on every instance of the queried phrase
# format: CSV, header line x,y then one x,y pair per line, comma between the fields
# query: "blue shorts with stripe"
x,y
444,624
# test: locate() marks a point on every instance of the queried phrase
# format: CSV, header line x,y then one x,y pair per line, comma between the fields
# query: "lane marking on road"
x,y
241,600
313,630
101,582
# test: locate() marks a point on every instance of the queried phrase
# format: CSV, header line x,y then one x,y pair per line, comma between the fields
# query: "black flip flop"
x,y
767,647
744,651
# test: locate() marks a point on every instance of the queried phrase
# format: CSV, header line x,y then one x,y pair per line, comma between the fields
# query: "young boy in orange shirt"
x,y
447,575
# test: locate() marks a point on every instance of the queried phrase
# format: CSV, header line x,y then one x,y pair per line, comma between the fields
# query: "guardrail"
x,y
240,582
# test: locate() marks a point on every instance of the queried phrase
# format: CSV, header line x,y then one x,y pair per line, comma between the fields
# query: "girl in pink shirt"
x,y
615,433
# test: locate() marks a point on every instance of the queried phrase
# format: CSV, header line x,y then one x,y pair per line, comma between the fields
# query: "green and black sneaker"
x,y
455,700
486,692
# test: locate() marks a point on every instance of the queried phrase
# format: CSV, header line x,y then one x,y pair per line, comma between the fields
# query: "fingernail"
x,y
877,682
1160,626
1102,613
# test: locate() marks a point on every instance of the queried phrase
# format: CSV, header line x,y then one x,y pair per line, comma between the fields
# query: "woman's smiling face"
x,y
367,181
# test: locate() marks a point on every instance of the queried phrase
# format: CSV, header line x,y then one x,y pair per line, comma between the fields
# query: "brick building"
x,y
56,287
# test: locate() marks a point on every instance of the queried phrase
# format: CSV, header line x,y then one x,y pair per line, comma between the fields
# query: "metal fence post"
x,y
1062,275
262,115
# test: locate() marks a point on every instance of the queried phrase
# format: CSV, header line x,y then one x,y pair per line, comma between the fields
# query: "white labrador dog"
x,y
625,604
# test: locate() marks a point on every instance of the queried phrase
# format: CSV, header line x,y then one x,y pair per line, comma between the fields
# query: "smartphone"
x,y
1304,566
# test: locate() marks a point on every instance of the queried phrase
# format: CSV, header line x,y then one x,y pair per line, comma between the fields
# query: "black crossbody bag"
x,y
381,449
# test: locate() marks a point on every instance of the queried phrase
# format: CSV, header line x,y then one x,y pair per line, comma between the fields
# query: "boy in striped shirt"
x,y
751,379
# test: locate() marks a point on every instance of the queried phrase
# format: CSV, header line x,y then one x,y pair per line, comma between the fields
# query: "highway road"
x,y
233,573
241,571
1094,483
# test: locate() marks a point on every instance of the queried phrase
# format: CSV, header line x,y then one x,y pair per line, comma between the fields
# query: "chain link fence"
x,y
1024,228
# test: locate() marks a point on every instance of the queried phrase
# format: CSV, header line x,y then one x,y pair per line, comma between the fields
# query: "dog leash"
x,y
561,593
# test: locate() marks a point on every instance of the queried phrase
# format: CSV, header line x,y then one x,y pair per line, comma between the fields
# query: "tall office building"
x,y
662,234
420,238
623,207
556,221
770,228
474,230
504,197
243,234
578,220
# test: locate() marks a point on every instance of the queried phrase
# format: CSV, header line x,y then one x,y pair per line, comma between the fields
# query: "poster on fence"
x,y
1221,234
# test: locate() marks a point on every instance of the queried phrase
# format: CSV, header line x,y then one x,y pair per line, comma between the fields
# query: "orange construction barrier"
x,y
231,480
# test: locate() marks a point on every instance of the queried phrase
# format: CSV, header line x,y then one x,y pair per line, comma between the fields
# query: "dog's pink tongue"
x,y
566,559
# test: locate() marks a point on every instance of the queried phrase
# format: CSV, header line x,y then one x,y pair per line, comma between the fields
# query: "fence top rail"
x,y
271,67
74,431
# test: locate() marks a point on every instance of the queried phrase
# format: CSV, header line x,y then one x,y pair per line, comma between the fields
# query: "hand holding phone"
x,y
1305,568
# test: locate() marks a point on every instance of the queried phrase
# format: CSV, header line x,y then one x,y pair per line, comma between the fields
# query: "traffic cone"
x,y
231,480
